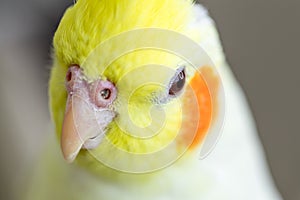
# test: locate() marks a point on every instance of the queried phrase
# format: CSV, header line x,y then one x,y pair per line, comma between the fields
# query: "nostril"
x,y
73,76
69,76
73,70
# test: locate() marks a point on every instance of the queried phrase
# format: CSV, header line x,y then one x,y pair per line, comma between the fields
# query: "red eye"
x,y
105,93
177,84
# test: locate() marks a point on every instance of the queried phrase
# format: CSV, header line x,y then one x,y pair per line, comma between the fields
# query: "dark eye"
x,y
177,83
105,93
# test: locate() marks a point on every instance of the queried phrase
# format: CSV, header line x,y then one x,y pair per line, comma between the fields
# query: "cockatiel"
x,y
137,96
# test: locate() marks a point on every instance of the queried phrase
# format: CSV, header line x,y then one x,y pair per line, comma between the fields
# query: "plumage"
x,y
234,170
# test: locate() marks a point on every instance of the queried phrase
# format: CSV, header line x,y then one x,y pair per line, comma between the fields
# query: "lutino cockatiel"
x,y
146,107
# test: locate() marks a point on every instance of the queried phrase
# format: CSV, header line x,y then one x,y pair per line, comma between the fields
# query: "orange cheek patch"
x,y
199,106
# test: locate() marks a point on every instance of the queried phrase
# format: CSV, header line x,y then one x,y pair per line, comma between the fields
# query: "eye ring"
x,y
177,82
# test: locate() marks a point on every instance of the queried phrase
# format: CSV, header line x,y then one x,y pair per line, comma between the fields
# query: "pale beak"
x,y
71,142
83,127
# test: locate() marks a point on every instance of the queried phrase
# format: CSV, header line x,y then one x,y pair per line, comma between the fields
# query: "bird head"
x,y
117,103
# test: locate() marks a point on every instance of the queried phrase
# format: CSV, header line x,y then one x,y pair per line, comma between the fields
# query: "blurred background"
x,y
260,38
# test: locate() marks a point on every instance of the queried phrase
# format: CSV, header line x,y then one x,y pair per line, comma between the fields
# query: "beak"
x,y
87,113
83,126
71,142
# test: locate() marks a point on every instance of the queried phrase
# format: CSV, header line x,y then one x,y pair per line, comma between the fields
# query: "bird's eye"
x,y
105,93
177,83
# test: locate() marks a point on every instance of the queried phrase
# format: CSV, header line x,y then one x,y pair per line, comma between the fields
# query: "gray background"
x,y
260,38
